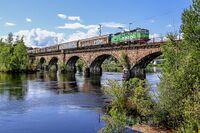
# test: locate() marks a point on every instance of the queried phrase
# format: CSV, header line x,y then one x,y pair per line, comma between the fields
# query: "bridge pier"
x,y
87,72
138,72
126,74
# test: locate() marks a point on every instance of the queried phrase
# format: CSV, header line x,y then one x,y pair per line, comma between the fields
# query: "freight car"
x,y
68,45
94,41
52,48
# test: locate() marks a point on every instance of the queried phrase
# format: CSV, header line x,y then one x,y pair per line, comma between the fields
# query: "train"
x,y
132,37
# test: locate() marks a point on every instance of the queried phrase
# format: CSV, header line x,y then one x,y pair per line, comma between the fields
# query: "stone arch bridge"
x,y
138,57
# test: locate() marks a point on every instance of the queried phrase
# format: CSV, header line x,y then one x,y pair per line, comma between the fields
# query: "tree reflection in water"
x,y
13,86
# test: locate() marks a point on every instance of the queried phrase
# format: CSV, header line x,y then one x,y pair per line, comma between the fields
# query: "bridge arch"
x,y
71,63
144,61
53,62
95,66
42,62
138,69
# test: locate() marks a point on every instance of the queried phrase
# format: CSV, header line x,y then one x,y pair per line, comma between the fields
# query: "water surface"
x,y
54,103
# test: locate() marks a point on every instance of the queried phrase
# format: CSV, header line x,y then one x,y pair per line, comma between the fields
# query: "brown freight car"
x,y
100,40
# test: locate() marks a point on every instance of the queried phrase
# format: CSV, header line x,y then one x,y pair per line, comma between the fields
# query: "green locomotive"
x,y
135,36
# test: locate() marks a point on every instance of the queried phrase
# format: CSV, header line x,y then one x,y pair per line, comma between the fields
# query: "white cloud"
x,y
113,25
62,16
71,26
82,26
40,38
10,24
93,31
169,25
3,37
28,20
74,18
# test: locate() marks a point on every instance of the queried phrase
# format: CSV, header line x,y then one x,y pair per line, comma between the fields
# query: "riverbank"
x,y
149,129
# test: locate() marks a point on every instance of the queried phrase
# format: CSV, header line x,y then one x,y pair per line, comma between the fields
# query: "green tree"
x,y
129,100
20,57
124,60
62,67
180,80
10,38
80,65
5,56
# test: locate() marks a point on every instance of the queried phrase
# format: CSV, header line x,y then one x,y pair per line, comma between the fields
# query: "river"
x,y
54,103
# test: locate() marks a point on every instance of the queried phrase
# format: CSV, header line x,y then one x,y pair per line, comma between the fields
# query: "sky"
x,y
48,22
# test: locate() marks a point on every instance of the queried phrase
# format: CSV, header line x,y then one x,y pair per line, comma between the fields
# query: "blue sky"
x,y
44,22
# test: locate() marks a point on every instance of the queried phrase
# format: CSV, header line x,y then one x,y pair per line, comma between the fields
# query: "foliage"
x,y
80,65
132,98
10,38
178,105
111,65
5,56
32,66
13,56
62,67
20,57
124,60
53,68
116,121
180,80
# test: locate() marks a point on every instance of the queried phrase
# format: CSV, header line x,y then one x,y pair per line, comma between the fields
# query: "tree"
x,y
5,56
20,57
131,99
62,67
10,38
180,81
124,60
80,65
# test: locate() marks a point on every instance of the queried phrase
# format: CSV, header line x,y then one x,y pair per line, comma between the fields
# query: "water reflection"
x,y
23,87
13,86
17,87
